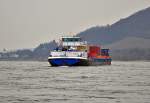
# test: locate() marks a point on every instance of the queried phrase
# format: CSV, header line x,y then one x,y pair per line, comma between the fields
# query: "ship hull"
x,y
65,61
100,61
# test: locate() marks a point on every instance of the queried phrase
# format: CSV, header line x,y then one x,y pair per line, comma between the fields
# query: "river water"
x,y
37,82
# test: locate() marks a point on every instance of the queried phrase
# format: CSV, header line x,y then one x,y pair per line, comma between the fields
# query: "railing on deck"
x,y
68,54
74,43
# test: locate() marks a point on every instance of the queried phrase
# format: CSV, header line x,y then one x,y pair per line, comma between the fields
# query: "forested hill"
x,y
128,39
136,25
40,53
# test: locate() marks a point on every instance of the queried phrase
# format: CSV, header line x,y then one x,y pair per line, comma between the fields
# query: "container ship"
x,y
73,51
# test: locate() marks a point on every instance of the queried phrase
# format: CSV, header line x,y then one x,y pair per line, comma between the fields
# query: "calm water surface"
x,y
37,82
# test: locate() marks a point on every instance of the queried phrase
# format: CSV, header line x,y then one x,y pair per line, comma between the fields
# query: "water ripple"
x,y
37,82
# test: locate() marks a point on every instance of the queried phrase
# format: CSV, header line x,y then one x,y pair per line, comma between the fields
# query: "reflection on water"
x,y
37,82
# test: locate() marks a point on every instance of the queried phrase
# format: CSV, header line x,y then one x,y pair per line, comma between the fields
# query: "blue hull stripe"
x,y
64,61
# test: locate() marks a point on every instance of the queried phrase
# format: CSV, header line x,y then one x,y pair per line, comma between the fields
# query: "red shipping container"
x,y
94,51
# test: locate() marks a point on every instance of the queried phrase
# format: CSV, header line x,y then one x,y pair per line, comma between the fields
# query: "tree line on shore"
x,y
41,53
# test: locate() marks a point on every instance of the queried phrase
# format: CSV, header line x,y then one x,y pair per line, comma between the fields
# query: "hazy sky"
x,y
27,23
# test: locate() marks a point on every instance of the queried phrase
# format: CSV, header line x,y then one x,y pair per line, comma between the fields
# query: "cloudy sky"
x,y
27,23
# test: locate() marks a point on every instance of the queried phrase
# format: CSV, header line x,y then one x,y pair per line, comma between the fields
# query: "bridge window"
x,y
70,39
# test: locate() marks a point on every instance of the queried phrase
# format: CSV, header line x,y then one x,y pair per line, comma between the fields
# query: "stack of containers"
x,y
104,52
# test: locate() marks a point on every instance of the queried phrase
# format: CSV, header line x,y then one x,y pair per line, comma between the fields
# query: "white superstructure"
x,y
72,41
71,47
